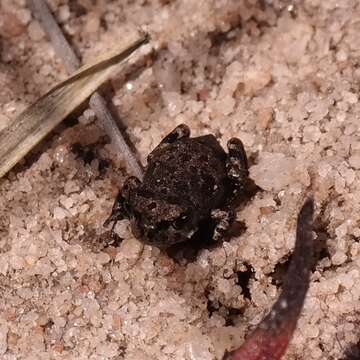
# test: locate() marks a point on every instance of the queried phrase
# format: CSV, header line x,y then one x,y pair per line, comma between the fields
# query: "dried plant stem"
x,y
97,102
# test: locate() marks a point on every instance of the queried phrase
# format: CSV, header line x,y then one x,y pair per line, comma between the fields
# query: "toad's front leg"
x,y
223,220
120,208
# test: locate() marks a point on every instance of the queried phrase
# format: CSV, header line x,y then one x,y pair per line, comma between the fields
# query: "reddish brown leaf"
x,y
270,339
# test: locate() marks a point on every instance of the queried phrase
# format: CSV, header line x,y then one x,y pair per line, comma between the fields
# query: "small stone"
x,y
338,258
44,162
122,229
88,117
350,279
265,117
92,24
10,25
198,346
3,339
354,250
167,77
24,15
204,94
312,332
12,340
311,134
165,264
60,153
24,185
195,106
64,13
256,80
107,350
103,258
267,210
339,184
173,102
116,321
342,55
349,176
130,250
46,70
84,208
324,168
16,262
356,232
36,33
350,97
341,230
274,171
174,305
4,264
60,213
25,293
225,105
67,202
59,347
224,286
71,187
354,161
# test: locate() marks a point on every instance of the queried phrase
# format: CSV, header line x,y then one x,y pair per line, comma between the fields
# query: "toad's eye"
x,y
180,222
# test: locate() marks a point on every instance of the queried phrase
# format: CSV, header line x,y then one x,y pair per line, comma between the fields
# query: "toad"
x,y
189,183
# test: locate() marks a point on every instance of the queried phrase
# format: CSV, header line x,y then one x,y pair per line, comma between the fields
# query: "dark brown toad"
x,y
188,183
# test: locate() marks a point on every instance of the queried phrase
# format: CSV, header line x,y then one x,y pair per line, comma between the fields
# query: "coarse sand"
x,y
282,76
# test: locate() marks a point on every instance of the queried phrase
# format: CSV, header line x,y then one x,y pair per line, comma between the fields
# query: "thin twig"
x,y
97,103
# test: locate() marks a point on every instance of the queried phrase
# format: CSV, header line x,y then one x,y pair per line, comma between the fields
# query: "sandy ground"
x,y
283,77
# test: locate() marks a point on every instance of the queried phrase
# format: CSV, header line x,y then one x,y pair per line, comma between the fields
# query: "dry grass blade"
x,y
30,127
105,118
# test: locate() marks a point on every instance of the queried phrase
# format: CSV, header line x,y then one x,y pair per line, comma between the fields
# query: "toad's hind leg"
x,y
223,220
120,210
237,160
237,169
180,132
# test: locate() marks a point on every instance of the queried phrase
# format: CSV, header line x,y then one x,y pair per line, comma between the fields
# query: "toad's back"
x,y
191,171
